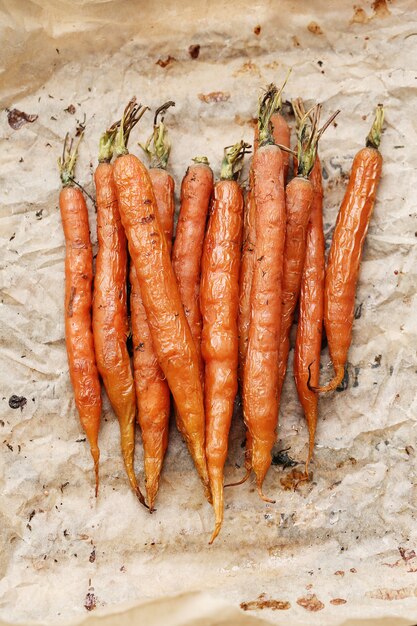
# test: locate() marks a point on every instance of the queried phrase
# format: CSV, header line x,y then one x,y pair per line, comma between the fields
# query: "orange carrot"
x,y
346,250
260,381
152,390
110,323
78,300
171,336
310,317
196,190
219,307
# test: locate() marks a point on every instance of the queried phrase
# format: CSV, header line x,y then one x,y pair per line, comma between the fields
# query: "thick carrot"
x,y
260,379
281,135
152,390
196,191
219,297
310,317
346,250
110,322
171,336
78,299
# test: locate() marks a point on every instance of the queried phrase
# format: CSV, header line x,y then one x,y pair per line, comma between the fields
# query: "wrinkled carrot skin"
x,y
152,390
310,318
219,307
298,198
281,135
78,301
345,257
110,322
260,381
171,336
196,191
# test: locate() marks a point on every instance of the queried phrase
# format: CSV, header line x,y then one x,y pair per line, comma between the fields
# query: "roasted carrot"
x,y
281,136
346,250
260,406
310,316
298,198
171,335
110,321
219,297
196,191
78,299
152,390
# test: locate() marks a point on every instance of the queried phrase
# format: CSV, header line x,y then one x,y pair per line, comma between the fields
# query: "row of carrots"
x,y
214,311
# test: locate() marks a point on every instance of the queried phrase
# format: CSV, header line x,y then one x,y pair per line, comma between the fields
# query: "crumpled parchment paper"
x,y
339,549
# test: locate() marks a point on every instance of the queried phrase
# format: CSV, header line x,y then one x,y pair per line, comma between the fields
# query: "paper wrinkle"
x,y
348,533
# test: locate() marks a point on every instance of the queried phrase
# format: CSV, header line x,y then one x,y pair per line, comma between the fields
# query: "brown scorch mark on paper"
x,y
291,481
264,603
17,402
338,601
166,62
194,50
70,109
18,118
248,68
380,8
295,42
359,16
90,600
311,603
392,594
214,96
242,121
314,28
257,30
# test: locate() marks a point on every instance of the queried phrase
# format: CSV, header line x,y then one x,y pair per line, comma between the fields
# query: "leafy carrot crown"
x,y
233,160
66,163
201,159
158,146
374,137
106,143
270,103
308,135
131,116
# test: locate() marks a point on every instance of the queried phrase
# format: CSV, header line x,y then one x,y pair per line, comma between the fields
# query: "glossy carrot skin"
x,y
345,257
298,198
260,400
110,323
219,307
152,390
171,336
310,318
196,191
78,301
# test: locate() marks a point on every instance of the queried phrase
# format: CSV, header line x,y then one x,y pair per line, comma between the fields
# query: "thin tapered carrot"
x,y
152,390
346,250
110,321
171,336
260,406
78,300
196,191
310,317
219,296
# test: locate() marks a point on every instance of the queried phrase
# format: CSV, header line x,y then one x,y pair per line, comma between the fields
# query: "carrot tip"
x,y
264,497
216,531
241,481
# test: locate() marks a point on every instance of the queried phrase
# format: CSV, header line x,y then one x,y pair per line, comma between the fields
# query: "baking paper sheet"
x,y
337,550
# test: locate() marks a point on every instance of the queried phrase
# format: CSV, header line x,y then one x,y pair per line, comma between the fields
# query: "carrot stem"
x,y
374,137
67,162
201,159
158,146
269,104
131,116
233,160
